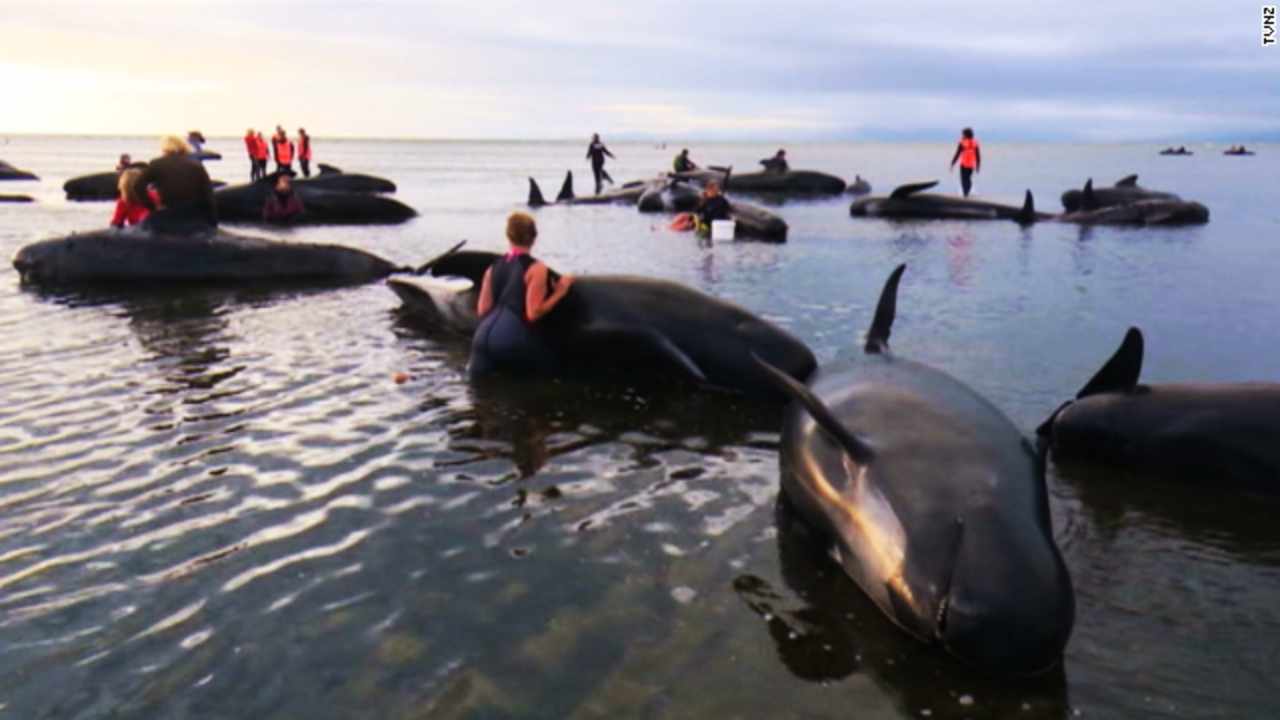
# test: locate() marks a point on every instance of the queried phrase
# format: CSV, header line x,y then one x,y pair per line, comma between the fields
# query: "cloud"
x,y
741,69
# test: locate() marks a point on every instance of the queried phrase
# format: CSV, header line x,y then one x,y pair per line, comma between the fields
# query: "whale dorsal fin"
x,y
1088,200
535,194
853,447
1121,372
1027,215
566,190
423,268
878,335
905,191
1127,181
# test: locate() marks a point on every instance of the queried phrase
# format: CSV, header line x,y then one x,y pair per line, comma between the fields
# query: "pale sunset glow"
x,y
719,70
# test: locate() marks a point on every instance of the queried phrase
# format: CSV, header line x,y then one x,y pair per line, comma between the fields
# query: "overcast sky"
x,y
737,69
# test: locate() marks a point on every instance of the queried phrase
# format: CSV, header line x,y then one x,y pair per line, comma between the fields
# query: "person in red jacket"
x,y
304,152
283,206
970,157
129,210
251,146
283,151
262,153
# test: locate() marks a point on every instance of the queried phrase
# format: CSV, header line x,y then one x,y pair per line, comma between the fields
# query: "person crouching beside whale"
x,y
713,206
129,209
777,163
186,193
283,206
683,163
516,293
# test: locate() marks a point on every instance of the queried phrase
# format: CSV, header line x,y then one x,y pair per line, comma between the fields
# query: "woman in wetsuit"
x,y
596,152
713,206
516,293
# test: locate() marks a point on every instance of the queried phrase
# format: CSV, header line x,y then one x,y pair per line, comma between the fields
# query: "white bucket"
x,y
722,230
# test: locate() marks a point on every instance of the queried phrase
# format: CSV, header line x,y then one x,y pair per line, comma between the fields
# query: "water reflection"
x,y
826,629
533,420
1222,520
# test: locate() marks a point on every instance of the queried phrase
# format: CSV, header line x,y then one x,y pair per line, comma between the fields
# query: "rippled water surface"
x,y
218,503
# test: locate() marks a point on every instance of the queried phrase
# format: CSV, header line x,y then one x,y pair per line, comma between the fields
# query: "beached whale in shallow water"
x,y
791,182
670,194
639,327
911,202
102,185
1126,190
934,501
1155,211
9,172
243,203
1224,434
138,256
625,194
334,180
16,199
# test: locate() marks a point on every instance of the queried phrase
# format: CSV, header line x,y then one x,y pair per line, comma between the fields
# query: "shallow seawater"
x,y
218,503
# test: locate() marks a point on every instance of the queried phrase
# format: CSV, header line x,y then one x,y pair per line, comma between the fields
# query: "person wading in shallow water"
x,y
596,151
186,193
970,158
517,292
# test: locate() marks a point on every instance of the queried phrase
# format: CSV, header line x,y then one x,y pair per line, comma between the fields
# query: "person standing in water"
x,y
262,155
251,145
517,292
596,151
283,151
304,152
970,158
186,193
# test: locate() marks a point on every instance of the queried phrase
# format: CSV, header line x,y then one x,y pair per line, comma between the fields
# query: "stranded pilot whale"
x,y
911,202
1151,211
638,326
1224,433
1126,190
935,503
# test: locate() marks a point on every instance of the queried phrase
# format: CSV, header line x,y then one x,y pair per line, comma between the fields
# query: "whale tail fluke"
x,y
535,194
1088,200
1027,215
566,190
1121,372
855,448
886,309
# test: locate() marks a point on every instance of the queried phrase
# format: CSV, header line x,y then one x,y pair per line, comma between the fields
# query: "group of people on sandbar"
x,y
281,148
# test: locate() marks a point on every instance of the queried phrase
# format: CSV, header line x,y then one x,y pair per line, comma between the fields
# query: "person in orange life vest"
x,y
284,152
283,204
129,210
262,153
970,157
251,147
304,152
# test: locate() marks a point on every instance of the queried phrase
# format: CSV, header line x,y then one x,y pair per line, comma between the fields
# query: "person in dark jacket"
x,y
283,206
713,206
186,193
596,152
777,163
517,292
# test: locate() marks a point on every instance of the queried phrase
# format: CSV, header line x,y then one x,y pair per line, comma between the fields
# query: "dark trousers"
x,y
255,169
601,176
284,167
966,180
306,166
185,219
